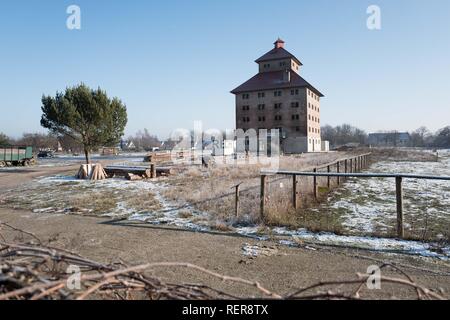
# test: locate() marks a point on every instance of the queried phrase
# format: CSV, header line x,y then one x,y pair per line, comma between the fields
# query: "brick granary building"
x,y
277,97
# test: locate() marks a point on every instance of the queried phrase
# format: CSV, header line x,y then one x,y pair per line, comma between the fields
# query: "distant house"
x,y
127,145
390,139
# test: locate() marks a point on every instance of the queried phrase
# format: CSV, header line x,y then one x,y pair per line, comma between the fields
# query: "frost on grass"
x,y
65,194
369,205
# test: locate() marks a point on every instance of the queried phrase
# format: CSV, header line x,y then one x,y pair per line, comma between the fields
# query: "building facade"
x,y
277,97
390,139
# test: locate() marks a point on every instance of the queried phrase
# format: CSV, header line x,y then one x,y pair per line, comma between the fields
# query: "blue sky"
x,y
173,62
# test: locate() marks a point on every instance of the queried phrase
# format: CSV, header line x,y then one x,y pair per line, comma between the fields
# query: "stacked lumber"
x,y
144,172
92,172
84,172
98,173
158,157
133,177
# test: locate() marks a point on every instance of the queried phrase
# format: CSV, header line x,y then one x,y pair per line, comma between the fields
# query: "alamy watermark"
x,y
374,279
73,282
73,21
230,147
374,20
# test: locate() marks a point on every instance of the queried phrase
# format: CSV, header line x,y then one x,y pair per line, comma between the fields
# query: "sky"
x,y
174,62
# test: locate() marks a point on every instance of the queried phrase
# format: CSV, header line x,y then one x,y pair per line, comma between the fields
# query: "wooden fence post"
x,y
351,165
263,195
152,170
315,184
328,178
345,168
338,169
294,191
399,196
236,205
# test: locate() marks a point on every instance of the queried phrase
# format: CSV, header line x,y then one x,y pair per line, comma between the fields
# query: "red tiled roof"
x,y
277,54
274,80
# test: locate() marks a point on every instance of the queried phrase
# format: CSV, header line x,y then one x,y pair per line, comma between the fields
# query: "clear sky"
x,y
173,62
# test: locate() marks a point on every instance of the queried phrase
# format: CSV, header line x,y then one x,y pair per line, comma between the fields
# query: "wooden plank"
x,y
399,196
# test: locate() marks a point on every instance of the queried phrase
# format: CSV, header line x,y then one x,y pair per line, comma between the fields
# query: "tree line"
x,y
421,137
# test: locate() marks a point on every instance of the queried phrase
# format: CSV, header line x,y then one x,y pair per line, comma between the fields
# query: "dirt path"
x,y
282,269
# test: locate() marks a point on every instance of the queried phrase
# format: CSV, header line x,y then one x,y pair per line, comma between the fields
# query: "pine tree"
x,y
86,115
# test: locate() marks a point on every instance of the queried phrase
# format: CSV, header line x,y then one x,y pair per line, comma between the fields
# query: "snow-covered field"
x,y
368,205
365,205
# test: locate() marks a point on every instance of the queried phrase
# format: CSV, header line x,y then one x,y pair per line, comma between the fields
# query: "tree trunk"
x,y
86,154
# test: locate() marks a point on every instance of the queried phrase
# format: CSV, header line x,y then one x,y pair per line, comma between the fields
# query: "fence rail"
x,y
355,163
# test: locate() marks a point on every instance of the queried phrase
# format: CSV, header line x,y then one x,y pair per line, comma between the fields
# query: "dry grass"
x,y
402,154
212,190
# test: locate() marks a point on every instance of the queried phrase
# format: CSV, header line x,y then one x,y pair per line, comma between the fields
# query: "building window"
x,y
261,119
295,104
278,118
267,65
295,117
245,96
277,93
277,105
261,94
245,108
297,129
246,119
261,106
282,64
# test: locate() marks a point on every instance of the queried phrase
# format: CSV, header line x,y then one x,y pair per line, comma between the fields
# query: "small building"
x,y
389,139
277,97
127,145
109,151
